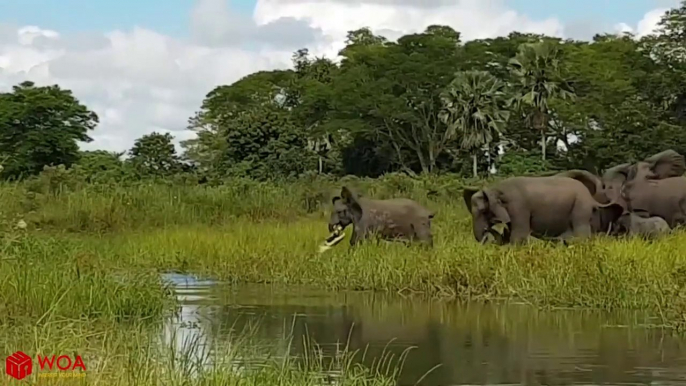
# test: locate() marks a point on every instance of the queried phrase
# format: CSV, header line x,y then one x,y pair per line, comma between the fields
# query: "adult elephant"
x,y
613,180
657,186
608,187
543,207
593,183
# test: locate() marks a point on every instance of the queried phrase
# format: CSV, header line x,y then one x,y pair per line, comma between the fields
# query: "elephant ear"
x,y
496,206
351,201
467,194
620,171
666,164
591,181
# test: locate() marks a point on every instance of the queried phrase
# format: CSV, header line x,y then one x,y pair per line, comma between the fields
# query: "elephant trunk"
x,y
480,228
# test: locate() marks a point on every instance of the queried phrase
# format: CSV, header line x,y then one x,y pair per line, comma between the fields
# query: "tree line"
x,y
426,103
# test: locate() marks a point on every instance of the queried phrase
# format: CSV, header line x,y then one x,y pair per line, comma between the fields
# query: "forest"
x,y
426,103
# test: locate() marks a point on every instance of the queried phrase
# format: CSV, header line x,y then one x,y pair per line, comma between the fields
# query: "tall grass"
x,y
47,280
133,355
106,208
251,232
600,273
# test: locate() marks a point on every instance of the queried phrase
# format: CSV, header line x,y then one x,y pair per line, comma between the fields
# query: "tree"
x,y
264,144
390,92
41,126
154,154
475,107
538,67
224,104
308,97
102,166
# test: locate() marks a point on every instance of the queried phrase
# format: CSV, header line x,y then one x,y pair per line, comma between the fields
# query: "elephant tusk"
x,y
336,237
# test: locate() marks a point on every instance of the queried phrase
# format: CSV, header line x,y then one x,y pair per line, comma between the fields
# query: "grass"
x,y
84,273
251,232
43,280
133,355
600,273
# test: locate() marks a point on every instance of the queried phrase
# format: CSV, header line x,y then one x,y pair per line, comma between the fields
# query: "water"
x,y
471,343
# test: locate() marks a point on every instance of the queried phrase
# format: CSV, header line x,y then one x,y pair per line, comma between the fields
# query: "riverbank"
x,y
602,273
82,264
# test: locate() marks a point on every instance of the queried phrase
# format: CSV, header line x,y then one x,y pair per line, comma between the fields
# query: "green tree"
x,y
265,144
224,104
475,107
154,154
668,49
390,93
309,98
102,166
41,126
538,69
616,115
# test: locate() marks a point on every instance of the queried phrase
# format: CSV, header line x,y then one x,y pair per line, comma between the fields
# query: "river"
x,y
450,342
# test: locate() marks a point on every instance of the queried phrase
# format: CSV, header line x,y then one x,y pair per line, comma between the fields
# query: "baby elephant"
x,y
392,219
641,223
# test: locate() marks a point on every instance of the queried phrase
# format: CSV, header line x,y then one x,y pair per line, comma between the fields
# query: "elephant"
x,y
391,219
613,180
593,183
640,223
543,207
656,186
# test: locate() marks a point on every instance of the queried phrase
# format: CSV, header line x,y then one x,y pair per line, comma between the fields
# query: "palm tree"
x,y
537,68
474,105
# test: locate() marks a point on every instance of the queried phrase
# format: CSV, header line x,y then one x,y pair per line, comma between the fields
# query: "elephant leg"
x,y
582,214
679,218
358,235
521,225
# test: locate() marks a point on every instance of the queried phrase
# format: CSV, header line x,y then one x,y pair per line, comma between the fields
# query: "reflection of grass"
x,y
132,355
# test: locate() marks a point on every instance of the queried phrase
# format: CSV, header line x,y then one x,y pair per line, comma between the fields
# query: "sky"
x,y
146,66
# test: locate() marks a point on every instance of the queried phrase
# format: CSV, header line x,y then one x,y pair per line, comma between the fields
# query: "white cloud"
x,y
139,80
646,26
474,19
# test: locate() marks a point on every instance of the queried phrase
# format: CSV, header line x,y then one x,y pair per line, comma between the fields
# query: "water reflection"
x,y
471,343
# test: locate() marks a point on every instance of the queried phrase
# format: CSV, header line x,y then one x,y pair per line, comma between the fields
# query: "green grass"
x,y
110,275
112,238
89,208
43,280
84,276
133,355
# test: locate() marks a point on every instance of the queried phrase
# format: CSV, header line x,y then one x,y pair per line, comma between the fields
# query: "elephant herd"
x,y
646,198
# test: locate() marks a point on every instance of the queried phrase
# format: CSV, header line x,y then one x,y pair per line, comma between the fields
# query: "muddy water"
x,y
451,343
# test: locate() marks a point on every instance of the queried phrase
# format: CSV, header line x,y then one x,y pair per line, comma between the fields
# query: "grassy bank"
x,y
134,355
102,245
601,273
82,276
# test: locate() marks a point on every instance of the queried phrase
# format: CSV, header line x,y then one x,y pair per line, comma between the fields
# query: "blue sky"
x,y
172,16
